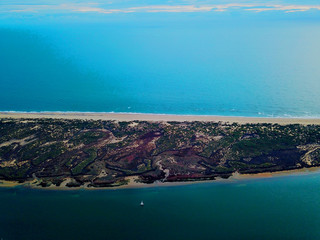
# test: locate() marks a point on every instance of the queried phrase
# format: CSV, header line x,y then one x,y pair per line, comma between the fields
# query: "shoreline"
x,y
235,178
158,117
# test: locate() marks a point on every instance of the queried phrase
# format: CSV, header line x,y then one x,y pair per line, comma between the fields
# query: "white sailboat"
x,y
141,204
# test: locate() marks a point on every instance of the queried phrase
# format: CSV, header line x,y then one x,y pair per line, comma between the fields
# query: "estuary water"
x,y
276,208
161,57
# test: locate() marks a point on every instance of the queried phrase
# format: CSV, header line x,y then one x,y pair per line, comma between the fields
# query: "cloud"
x,y
285,8
98,8
101,10
165,8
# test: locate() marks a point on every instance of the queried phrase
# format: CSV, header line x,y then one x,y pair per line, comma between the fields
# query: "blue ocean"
x,y
199,58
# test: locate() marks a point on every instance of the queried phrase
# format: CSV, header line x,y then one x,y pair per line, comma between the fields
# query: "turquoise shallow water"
x,y
237,62
277,208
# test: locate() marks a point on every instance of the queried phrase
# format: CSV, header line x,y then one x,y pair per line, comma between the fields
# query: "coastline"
x,y
158,117
235,178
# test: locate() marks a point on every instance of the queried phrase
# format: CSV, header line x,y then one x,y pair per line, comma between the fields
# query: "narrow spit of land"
x,y
86,150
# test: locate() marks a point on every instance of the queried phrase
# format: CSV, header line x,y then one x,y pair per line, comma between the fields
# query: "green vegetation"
x,y
103,153
92,152
48,152
13,173
87,137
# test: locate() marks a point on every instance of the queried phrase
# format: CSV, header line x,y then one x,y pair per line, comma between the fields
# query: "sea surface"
x,y
277,208
171,57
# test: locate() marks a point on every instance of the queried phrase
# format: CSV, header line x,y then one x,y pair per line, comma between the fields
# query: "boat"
x,y
141,204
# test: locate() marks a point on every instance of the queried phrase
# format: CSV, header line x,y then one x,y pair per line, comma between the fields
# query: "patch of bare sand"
x,y
158,117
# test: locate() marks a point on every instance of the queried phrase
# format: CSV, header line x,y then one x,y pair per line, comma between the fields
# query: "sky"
x,y
127,6
37,12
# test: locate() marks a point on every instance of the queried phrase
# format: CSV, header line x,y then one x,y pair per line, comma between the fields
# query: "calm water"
x,y
181,57
278,208
71,57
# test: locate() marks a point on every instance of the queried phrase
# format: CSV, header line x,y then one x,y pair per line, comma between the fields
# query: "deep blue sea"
x,y
177,57
275,208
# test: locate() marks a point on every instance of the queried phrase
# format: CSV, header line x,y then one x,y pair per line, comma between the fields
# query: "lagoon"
x,y
285,207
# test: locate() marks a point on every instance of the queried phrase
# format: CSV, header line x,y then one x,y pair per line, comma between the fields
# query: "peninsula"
x,y
92,151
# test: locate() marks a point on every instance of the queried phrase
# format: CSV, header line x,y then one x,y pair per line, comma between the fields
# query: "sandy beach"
x,y
157,117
